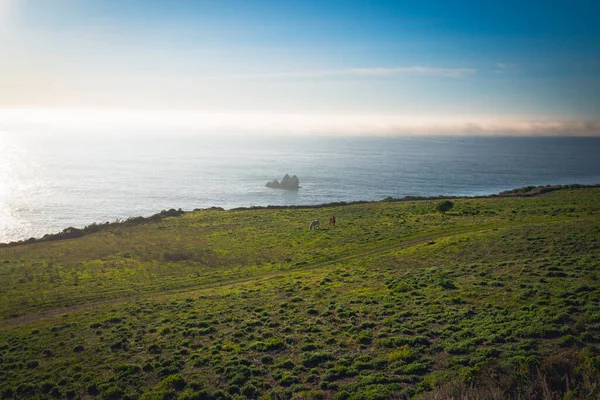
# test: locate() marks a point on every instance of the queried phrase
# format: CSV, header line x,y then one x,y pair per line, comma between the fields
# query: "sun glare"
x,y
6,7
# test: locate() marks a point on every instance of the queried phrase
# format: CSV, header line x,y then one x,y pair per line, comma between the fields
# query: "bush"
x,y
568,341
7,392
92,389
112,393
175,382
157,395
404,353
365,338
446,284
266,359
154,349
48,353
46,386
444,206
314,359
288,380
335,373
127,369
274,344
202,394
308,347
286,364
250,391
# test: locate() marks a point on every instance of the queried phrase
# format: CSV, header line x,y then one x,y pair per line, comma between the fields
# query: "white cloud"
x,y
427,71
357,72
502,67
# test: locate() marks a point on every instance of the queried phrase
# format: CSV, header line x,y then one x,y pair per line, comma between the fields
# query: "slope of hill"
x,y
497,298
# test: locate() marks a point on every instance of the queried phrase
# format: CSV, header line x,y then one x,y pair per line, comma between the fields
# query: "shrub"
x,y
446,284
568,341
114,320
274,344
46,386
249,391
308,347
594,362
313,359
148,367
375,392
48,353
444,206
286,364
157,395
26,389
404,353
418,368
92,389
154,349
7,392
365,338
175,382
165,330
127,369
266,359
288,380
335,373
112,393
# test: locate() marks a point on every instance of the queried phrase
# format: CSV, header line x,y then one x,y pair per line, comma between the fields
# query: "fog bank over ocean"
x,y
51,181
85,121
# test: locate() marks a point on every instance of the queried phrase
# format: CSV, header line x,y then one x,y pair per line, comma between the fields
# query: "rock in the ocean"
x,y
288,183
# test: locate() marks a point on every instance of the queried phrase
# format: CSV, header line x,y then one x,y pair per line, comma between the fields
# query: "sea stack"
x,y
287,183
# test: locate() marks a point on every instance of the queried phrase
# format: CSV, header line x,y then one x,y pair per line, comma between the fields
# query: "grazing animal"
x,y
314,225
332,221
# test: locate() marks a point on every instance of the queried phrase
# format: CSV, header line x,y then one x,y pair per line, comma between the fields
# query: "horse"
x,y
314,224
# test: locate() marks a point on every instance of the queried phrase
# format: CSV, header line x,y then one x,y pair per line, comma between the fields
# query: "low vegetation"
x,y
494,298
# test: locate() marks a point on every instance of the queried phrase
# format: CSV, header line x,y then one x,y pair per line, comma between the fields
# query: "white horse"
x,y
314,224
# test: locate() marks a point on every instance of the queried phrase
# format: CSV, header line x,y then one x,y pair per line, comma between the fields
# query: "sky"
x,y
342,67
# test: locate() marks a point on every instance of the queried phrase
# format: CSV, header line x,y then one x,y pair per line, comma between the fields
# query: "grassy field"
x,y
498,298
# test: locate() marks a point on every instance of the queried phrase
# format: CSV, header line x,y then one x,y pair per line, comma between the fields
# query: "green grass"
x,y
497,297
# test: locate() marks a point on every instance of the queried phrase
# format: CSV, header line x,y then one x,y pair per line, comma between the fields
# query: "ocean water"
x,y
52,181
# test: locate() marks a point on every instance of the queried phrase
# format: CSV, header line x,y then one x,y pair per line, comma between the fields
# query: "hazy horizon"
x,y
339,67
197,122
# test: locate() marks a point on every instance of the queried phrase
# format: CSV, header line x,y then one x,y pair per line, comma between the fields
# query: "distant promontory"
x,y
287,183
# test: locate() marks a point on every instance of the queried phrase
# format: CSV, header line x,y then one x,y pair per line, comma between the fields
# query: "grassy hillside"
x,y
497,298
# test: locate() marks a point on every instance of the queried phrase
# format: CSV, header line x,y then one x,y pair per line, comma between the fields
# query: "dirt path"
x,y
380,250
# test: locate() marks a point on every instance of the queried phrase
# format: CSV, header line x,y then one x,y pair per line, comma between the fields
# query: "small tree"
x,y
444,206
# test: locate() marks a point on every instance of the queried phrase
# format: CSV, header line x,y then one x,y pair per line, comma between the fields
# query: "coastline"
x,y
72,232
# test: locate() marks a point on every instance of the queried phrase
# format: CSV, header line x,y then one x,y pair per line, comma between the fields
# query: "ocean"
x,y
52,181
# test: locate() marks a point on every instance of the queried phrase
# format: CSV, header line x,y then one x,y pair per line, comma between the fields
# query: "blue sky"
x,y
388,66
